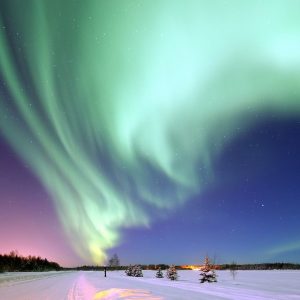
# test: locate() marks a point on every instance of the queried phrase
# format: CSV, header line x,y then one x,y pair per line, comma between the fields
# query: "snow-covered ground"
x,y
248,285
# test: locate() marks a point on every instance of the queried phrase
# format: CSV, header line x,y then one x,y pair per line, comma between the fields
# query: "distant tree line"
x,y
86,268
14,262
263,266
112,268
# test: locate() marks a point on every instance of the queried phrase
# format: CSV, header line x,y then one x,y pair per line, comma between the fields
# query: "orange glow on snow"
x,y
128,294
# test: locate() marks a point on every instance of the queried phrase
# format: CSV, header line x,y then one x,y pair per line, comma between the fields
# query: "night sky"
x,y
159,130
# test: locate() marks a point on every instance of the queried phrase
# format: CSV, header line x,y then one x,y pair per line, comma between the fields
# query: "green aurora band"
x,y
118,105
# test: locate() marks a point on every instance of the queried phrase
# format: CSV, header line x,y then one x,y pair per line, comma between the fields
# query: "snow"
x,y
248,285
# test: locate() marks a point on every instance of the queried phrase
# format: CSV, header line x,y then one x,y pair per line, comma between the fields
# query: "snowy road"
x,y
249,285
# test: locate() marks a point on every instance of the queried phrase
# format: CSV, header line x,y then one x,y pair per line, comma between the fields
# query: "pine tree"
x,y
172,273
159,274
129,271
208,273
137,271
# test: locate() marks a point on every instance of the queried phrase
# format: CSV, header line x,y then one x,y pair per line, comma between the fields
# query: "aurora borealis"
x,y
122,109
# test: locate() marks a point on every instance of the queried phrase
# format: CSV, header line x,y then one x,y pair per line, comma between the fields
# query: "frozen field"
x,y
248,285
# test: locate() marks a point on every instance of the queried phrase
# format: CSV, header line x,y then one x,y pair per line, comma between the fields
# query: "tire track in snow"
x,y
81,289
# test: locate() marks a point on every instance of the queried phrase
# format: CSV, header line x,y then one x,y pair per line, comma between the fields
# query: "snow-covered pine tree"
x,y
129,271
172,273
159,273
208,273
137,271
